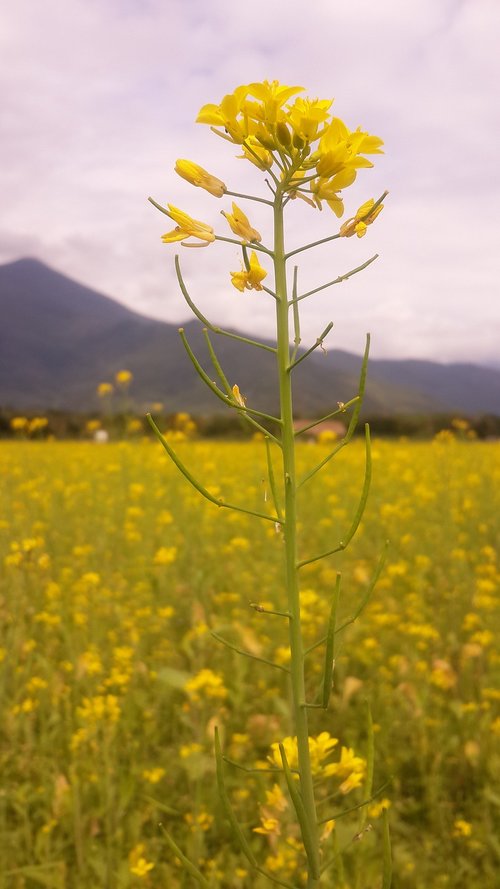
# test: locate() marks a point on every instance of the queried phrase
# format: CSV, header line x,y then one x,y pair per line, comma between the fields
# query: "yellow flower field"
x,y
114,574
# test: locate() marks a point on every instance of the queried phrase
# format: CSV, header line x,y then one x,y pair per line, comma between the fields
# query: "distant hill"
x,y
60,339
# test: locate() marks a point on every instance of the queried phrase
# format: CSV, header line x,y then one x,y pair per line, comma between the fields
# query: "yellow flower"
x,y
337,136
376,809
326,189
123,377
198,176
320,749
138,864
202,820
462,828
104,389
225,115
350,767
187,227
272,96
165,555
153,775
269,826
306,115
238,397
240,117
251,279
209,683
17,424
100,708
363,218
36,424
240,225
257,153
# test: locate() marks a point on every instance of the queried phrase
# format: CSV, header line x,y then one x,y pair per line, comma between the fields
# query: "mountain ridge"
x,y
59,339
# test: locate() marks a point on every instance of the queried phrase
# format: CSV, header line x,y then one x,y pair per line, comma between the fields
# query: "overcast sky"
x,y
100,97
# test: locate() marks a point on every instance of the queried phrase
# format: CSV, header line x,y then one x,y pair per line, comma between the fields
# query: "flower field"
x,y
117,585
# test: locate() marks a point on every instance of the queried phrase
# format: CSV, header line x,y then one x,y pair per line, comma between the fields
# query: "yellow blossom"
x,y
36,424
271,95
375,809
187,750
462,828
320,749
104,389
238,397
268,826
249,279
165,555
225,115
202,820
138,863
198,176
240,224
100,708
256,153
187,227
363,218
123,377
153,775
306,115
19,424
207,682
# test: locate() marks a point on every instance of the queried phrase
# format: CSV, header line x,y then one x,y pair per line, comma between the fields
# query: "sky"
x,y
100,99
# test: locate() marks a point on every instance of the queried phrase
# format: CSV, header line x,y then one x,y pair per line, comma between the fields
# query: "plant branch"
x,y
308,837
225,382
364,600
339,279
249,197
213,327
229,401
248,654
340,410
319,342
226,805
272,480
359,512
196,484
348,811
186,863
353,421
330,646
296,316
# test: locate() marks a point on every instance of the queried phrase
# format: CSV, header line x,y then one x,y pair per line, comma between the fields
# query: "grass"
x,y
114,574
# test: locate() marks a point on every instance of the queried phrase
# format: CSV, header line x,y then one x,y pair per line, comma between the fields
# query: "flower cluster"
x,y
350,768
314,151
308,153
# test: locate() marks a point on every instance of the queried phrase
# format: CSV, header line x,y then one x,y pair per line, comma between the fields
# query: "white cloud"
x,y
101,98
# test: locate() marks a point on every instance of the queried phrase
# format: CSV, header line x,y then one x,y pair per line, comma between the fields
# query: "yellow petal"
x,y
176,235
240,224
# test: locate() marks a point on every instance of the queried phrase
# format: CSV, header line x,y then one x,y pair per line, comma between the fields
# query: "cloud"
x,y
101,97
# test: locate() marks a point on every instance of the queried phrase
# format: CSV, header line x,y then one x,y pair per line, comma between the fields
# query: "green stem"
x,y
340,410
338,280
300,714
319,342
213,327
248,197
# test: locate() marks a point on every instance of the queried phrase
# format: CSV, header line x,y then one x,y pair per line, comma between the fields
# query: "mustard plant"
x,y
306,153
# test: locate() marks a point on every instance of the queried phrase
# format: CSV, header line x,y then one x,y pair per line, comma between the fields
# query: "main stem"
x,y
290,532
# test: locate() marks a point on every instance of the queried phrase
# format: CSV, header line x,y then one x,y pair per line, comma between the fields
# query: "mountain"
x,y
60,339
